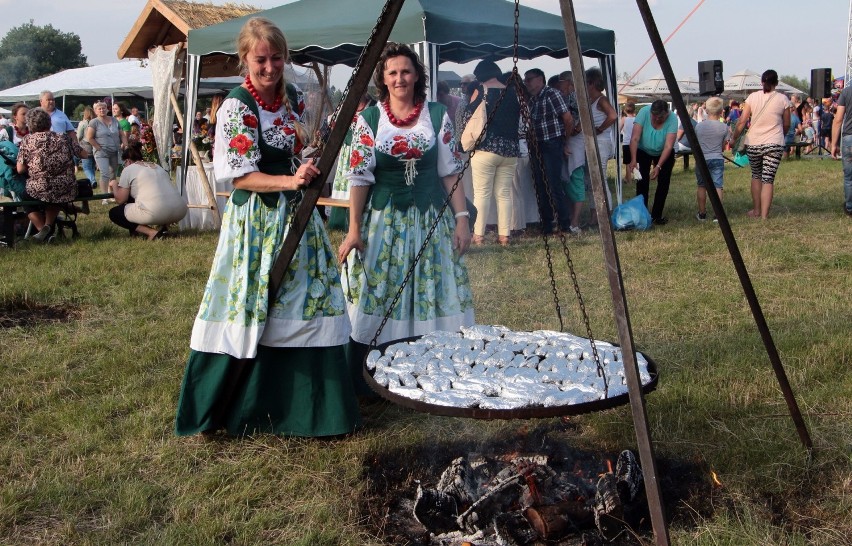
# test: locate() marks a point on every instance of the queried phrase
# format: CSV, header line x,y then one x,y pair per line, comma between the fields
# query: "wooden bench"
x,y
798,146
12,211
321,202
685,155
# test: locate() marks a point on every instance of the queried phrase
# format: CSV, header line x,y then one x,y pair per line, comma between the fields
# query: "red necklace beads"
x,y
402,122
260,102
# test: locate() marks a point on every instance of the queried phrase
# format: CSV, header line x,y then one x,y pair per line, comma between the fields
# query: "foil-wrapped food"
x,y
492,367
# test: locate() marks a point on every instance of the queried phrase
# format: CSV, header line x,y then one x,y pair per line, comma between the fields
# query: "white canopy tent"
x,y
107,80
124,79
658,88
747,81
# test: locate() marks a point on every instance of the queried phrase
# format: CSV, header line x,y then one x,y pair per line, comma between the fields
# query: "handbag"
x,y
740,159
84,188
84,185
475,125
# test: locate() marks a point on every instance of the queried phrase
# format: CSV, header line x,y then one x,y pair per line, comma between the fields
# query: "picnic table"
x,y
12,211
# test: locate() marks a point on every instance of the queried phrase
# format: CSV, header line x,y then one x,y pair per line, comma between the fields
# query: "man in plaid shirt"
x,y
551,122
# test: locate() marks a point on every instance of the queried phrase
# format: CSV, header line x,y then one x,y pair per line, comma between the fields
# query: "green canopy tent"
x,y
324,31
332,32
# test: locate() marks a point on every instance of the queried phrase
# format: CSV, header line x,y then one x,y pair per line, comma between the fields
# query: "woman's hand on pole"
x,y
306,172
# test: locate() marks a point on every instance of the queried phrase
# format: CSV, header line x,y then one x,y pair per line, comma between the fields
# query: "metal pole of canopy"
x,y
725,226
358,86
616,282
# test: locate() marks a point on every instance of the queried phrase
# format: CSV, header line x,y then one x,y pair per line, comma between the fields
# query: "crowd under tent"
x,y
320,33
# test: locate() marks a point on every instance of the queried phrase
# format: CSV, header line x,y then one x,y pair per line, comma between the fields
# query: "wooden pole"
x,y
725,226
357,86
616,283
187,138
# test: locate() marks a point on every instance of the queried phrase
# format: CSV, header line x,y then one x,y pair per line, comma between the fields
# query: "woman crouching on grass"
x,y
145,196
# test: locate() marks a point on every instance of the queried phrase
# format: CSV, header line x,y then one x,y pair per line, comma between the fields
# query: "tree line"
x,y
30,52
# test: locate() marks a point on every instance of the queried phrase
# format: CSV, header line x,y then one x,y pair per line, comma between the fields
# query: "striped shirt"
x,y
547,110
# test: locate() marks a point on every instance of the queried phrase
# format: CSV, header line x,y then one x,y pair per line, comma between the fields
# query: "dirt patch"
x,y
392,478
26,313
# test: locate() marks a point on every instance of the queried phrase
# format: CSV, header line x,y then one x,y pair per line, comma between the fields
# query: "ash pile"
x,y
482,501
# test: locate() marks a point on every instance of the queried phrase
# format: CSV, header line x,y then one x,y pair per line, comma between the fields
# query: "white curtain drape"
x,y
164,64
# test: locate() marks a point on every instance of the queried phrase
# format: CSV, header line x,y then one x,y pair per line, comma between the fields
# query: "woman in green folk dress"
x,y
258,365
401,166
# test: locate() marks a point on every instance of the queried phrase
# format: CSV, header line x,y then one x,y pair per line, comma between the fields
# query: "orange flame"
x,y
715,477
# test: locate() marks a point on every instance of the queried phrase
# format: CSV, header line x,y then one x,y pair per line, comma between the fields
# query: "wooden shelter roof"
x,y
167,22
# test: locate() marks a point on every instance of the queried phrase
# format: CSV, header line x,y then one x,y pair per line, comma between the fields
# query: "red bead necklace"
x,y
402,122
260,102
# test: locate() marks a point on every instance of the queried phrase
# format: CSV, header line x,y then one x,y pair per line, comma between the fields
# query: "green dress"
x,y
404,167
256,367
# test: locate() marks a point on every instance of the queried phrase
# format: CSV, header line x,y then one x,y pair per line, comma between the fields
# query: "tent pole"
x,y
724,226
357,86
205,182
608,62
616,282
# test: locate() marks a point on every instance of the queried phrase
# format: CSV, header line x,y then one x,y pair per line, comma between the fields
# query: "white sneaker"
x,y
575,230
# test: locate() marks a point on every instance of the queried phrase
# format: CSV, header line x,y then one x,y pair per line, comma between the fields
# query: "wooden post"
x,y
357,87
187,139
616,282
725,228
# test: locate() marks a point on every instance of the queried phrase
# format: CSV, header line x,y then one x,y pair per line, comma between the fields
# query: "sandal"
x,y
477,240
504,240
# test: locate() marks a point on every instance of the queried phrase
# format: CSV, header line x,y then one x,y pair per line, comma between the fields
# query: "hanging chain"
x,y
532,143
294,202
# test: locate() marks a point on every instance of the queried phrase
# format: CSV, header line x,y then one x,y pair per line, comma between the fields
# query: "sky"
x,y
787,35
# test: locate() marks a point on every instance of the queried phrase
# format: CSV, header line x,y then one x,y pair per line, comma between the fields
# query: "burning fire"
x,y
715,477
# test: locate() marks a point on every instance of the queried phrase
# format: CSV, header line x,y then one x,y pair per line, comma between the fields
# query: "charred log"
x,y
436,510
609,511
511,529
631,482
556,521
505,492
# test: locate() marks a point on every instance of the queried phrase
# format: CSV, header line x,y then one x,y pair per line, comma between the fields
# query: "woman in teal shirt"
x,y
652,142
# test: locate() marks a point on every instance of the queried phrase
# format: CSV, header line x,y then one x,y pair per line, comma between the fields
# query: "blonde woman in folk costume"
x,y
261,365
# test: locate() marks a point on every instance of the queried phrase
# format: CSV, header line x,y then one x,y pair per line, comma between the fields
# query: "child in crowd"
x,y
712,135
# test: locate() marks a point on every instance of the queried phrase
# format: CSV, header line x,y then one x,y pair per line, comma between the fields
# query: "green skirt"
x,y
292,391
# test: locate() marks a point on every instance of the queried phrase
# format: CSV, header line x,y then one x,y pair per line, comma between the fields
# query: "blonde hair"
x,y
714,106
256,30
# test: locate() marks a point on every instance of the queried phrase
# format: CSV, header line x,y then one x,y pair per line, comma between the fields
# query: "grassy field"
x,y
88,390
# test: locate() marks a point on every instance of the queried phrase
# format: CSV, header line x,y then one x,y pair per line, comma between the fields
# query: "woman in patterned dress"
x,y
401,167
261,365
47,158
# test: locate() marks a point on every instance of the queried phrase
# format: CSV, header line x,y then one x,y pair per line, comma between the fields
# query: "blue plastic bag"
x,y
632,214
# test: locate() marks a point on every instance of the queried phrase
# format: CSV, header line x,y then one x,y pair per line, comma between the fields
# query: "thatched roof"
x,y
167,22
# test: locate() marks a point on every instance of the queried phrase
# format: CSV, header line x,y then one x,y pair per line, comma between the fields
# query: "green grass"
x,y
88,455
